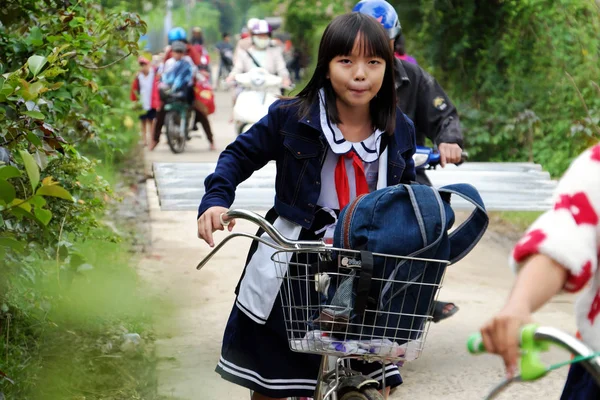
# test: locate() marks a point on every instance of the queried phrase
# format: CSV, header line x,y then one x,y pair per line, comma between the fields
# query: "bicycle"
x,y
311,272
534,340
177,119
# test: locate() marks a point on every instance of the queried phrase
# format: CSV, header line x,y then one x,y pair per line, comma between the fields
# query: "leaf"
x,y
37,201
54,191
41,159
48,181
34,114
34,139
31,168
43,215
7,191
8,171
35,37
21,204
11,244
35,64
36,89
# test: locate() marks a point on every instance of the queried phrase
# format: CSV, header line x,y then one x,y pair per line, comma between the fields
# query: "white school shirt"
x,y
260,284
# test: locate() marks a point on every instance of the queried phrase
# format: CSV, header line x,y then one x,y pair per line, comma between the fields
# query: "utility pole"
x,y
168,24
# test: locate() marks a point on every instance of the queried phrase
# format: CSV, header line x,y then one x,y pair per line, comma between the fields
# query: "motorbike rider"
x,y
424,101
178,40
178,34
261,54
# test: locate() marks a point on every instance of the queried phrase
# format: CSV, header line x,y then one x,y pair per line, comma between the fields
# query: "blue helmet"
x,y
382,11
177,34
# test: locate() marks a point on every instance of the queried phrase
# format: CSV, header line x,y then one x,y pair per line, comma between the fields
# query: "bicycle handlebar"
x,y
536,339
278,241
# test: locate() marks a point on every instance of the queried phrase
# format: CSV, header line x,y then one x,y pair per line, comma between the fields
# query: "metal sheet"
x,y
503,186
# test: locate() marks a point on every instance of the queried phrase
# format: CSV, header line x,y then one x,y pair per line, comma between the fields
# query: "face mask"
x,y
261,43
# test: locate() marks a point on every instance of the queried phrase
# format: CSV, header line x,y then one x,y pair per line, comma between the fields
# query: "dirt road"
x,y
190,338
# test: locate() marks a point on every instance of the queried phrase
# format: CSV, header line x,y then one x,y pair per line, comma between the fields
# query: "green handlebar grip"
x,y
475,344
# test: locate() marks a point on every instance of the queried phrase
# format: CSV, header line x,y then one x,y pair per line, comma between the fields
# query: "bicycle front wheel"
x,y
175,139
366,394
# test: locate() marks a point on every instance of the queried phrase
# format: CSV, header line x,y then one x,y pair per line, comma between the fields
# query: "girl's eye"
x,y
344,61
375,62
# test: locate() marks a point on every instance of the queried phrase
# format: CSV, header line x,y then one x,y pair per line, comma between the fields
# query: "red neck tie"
x,y
342,186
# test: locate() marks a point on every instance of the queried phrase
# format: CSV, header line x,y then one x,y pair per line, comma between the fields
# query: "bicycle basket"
x,y
318,295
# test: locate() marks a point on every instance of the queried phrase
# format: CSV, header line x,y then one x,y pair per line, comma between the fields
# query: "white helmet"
x,y
259,27
251,23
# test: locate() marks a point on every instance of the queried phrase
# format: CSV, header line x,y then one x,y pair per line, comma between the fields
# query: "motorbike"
x,y
177,118
260,90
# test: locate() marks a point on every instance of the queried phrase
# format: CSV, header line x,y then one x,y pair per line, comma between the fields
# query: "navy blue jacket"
x,y
298,147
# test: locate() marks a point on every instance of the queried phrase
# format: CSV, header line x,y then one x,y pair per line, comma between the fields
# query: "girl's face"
x,y
356,78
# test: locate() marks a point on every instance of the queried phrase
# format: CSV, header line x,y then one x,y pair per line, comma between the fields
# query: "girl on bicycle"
x,y
342,136
559,252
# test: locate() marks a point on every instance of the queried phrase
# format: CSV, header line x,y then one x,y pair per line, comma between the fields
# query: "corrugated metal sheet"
x,y
503,186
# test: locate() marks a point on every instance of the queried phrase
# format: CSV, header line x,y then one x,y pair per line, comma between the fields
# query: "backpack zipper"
x,y
347,218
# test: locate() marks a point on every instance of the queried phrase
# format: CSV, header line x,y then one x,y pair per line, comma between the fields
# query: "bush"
x,y
66,285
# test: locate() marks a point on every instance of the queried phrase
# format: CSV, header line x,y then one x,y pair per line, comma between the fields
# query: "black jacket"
x,y
425,102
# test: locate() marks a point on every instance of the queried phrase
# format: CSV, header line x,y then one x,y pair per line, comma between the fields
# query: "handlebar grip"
x,y
475,344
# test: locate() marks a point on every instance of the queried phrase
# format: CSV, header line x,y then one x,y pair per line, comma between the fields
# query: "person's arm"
x,y
560,251
540,279
439,121
437,118
248,153
194,54
239,66
280,64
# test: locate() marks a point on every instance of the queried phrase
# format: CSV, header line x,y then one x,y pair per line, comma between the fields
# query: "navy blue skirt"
x,y
259,358
580,385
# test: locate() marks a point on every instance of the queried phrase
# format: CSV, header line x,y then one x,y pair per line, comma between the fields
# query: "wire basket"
x,y
318,295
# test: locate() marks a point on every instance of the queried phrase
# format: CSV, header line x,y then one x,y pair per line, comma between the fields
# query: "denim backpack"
x,y
391,298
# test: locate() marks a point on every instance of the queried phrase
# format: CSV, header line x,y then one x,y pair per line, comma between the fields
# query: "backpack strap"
x,y
253,59
363,286
468,234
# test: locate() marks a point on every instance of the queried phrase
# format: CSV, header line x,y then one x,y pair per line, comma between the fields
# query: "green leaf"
x,y
32,168
54,191
34,139
8,171
12,244
7,191
38,201
43,215
35,64
21,204
34,114
37,88
35,37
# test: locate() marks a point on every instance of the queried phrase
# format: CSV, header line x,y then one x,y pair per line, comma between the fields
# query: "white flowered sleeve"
x,y
569,232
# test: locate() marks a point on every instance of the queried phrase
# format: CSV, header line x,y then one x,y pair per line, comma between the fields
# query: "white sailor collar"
x,y
367,150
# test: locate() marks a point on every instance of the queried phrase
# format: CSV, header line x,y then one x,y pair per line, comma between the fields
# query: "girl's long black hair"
x,y
338,40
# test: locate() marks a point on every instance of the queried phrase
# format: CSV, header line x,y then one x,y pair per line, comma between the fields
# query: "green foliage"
x,y
71,345
203,14
521,72
64,109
